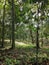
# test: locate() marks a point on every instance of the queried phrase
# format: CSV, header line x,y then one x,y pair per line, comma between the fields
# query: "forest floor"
x,y
24,54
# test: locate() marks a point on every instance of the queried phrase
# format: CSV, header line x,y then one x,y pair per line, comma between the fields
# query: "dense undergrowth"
x,y
24,55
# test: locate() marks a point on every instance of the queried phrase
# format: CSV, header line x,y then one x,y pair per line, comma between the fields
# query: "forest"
x,y
24,32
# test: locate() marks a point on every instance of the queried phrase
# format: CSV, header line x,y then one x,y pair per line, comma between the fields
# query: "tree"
x,y
13,19
3,22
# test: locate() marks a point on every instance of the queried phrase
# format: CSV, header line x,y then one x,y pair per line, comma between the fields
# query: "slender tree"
x,y
37,34
3,23
13,18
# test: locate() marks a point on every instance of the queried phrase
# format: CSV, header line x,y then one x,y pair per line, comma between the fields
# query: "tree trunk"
x,y
37,37
3,24
37,44
13,18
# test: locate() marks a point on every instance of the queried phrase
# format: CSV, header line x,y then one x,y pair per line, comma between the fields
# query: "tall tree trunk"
x,y
3,23
13,18
37,37
37,44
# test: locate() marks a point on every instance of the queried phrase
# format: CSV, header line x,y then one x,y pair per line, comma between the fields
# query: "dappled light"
x,y
24,32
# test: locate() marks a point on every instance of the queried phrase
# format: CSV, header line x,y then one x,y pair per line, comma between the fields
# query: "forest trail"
x,y
18,43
